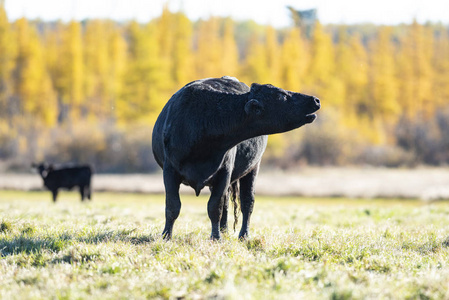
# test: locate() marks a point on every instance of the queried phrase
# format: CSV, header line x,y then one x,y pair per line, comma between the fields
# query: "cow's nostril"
x,y
317,101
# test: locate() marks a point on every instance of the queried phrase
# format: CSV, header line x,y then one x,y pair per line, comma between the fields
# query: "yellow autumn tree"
x,y
351,69
294,61
34,98
383,87
145,79
7,55
229,50
440,62
53,39
33,85
274,57
357,74
415,72
134,99
96,69
164,31
208,53
321,75
117,67
183,69
255,68
71,91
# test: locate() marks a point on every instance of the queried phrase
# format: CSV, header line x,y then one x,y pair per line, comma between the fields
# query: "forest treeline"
x,y
90,91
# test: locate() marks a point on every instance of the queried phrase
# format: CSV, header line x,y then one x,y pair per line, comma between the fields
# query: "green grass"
x,y
299,248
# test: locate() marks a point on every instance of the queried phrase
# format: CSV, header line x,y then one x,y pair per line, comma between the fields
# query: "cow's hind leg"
x,y
224,214
247,200
216,201
172,181
231,193
82,192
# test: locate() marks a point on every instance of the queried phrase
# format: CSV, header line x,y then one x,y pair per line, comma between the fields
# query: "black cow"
x,y
67,178
213,132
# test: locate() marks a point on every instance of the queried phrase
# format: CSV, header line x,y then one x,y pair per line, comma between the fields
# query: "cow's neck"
x,y
230,126
226,127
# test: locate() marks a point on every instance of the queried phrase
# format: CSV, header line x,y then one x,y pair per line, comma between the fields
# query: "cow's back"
x,y
192,101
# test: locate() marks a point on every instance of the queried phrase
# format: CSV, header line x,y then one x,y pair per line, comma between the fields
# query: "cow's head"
x,y
42,168
275,110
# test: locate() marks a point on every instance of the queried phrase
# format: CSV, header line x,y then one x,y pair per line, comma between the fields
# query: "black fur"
x,y
213,132
66,177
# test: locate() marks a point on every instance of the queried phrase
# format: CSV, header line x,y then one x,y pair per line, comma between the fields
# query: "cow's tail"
x,y
234,195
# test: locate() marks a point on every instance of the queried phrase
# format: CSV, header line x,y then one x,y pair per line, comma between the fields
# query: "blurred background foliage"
x,y
90,91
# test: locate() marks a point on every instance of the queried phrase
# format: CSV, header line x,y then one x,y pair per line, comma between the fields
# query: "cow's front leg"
x,y
216,202
247,200
88,192
172,181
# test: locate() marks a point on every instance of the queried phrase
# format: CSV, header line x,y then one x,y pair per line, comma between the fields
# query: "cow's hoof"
x,y
215,237
243,237
166,235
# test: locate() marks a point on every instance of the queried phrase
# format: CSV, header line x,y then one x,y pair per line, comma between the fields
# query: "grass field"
x,y
299,248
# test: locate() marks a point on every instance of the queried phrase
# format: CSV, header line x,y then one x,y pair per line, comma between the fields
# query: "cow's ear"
x,y
253,107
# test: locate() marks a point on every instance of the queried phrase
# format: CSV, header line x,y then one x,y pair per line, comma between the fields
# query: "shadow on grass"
x,y
27,244
125,236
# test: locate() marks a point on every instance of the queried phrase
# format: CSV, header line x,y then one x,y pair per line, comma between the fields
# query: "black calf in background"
x,y
67,178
